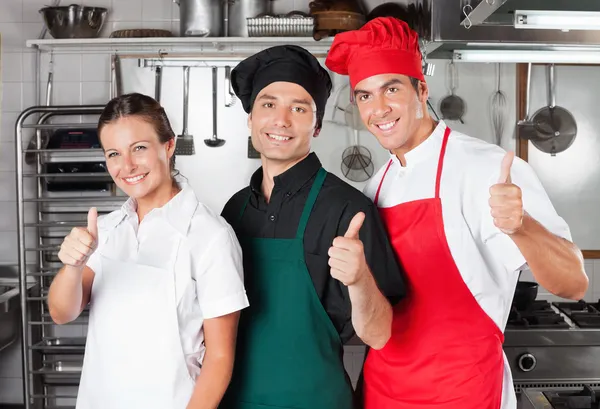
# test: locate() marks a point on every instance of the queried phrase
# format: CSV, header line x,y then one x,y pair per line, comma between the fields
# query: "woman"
x,y
163,277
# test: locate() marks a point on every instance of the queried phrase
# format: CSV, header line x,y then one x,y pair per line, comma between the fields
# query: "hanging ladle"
x,y
214,142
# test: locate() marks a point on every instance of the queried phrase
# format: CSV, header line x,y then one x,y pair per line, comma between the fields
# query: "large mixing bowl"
x,y
74,21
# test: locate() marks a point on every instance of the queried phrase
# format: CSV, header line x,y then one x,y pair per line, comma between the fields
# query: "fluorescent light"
x,y
526,56
557,20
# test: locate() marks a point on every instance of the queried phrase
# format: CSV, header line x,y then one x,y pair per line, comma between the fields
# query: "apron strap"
x,y
438,177
239,220
310,201
381,183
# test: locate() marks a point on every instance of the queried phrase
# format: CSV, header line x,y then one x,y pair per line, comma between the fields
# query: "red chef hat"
x,y
385,45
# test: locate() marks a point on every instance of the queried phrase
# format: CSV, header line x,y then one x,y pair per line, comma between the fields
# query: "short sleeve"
x,y
378,252
95,262
219,276
535,202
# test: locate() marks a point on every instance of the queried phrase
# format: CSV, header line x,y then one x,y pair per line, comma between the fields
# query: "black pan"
x,y
525,295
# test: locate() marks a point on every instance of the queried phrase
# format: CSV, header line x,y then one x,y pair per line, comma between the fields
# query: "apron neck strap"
x,y
310,202
438,177
239,220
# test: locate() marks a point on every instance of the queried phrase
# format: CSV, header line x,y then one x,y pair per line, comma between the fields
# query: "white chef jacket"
x,y
488,260
208,268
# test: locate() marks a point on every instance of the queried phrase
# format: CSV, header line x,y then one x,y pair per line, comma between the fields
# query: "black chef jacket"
x,y
337,203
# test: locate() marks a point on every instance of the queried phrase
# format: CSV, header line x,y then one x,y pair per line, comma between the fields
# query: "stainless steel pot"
x,y
200,18
240,10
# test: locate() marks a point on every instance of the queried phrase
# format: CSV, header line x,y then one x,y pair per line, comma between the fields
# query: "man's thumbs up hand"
x,y
506,202
347,256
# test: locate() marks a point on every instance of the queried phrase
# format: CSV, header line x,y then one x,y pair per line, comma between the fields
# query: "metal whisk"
x,y
498,110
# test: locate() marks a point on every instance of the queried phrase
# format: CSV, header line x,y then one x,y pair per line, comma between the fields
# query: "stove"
x,y
541,315
554,348
585,397
584,315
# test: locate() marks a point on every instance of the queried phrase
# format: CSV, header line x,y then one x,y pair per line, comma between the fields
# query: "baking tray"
x,y
63,372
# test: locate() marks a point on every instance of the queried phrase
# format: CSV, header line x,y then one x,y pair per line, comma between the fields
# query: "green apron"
x,y
289,354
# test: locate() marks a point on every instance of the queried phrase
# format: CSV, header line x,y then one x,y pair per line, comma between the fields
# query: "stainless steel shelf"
x,y
43,248
60,126
69,175
43,218
206,47
43,274
77,198
65,151
81,320
53,224
74,345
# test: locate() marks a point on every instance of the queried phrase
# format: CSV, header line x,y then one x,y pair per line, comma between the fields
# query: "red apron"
x,y
445,351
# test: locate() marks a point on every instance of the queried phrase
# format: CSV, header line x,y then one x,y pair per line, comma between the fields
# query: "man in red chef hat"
x,y
464,217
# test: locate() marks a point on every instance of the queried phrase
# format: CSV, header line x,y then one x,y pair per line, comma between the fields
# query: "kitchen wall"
x,y
215,174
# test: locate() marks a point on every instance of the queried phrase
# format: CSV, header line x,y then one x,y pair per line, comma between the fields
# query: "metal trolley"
x,y
52,355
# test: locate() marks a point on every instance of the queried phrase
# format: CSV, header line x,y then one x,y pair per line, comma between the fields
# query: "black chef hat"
x,y
288,63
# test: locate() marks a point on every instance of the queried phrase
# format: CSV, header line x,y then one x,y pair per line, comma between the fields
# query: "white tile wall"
x,y
86,80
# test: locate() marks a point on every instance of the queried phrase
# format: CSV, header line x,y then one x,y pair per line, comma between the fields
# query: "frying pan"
x,y
553,127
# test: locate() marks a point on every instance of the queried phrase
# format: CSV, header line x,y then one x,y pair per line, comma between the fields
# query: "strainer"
x,y
452,106
357,162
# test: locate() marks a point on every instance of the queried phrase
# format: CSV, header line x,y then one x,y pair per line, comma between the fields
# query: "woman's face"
x,y
136,159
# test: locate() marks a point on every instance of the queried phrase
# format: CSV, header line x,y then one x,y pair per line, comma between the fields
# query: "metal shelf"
x,y
41,227
208,46
79,199
69,175
59,126
81,320
88,150
74,345
56,224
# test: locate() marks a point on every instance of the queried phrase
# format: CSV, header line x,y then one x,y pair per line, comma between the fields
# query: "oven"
x,y
553,349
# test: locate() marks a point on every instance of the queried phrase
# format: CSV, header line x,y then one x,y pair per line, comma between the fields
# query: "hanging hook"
x,y
468,23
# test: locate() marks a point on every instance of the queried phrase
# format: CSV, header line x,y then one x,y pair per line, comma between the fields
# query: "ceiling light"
x,y
527,56
557,20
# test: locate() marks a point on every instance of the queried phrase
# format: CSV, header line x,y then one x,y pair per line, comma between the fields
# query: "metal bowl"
x,y
74,21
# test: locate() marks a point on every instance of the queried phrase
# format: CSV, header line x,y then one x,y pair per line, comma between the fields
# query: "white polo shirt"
x,y
488,260
208,268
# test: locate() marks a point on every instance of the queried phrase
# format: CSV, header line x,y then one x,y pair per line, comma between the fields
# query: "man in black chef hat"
x,y
317,263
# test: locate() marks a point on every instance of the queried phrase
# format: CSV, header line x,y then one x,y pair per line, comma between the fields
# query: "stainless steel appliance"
x,y
553,350
9,306
442,26
66,172
584,397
